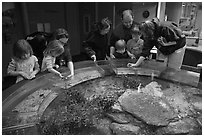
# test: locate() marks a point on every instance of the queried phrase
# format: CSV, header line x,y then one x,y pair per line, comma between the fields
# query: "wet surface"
x,y
77,110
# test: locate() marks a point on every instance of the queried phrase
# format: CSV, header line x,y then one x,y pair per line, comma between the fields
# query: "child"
x,y
53,50
135,45
65,58
121,51
24,64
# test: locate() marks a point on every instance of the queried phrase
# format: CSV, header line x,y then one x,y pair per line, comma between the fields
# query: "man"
x,y
122,31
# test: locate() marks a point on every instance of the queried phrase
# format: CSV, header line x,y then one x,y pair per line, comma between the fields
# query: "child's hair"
x,y
59,33
120,44
135,30
54,46
20,48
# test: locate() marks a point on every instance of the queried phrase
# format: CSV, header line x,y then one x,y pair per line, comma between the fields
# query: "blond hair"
x,y
120,44
54,46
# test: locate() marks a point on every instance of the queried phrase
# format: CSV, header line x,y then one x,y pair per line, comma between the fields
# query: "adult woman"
x,y
96,44
167,38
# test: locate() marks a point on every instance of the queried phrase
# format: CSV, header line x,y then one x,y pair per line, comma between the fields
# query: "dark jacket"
x,y
65,56
38,42
96,44
171,33
121,55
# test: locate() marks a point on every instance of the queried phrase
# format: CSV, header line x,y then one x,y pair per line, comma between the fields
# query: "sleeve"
x,y
88,44
113,39
35,58
11,66
169,34
128,45
147,46
67,53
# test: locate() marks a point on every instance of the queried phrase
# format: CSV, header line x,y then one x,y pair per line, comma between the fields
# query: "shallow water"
x,y
82,109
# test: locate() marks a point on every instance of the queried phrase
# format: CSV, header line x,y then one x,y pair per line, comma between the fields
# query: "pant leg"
x,y
175,59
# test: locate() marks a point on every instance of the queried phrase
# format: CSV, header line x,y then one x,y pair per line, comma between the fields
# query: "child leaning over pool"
x,y
121,52
54,49
135,45
24,64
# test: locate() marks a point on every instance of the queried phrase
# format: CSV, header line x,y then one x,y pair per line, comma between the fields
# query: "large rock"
x,y
102,125
148,107
118,117
184,126
124,129
116,107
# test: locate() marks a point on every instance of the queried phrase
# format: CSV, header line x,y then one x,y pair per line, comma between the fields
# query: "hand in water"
x,y
69,76
130,65
56,66
112,56
32,75
60,75
25,75
93,57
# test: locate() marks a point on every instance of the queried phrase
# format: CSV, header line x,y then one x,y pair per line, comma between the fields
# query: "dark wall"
x,y
105,12
72,26
140,7
119,7
46,12
85,9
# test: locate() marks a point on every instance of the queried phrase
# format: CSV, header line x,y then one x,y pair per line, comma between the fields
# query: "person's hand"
x,y
25,75
30,38
107,58
56,66
60,75
132,56
112,56
131,65
69,76
93,57
32,75
161,40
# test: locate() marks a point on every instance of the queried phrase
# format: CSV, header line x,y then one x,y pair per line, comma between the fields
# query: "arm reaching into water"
x,y
139,61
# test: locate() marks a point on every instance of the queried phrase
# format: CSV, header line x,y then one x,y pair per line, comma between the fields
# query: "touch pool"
x,y
148,100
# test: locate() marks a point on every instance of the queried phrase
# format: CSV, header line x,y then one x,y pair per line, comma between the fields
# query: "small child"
x,y
135,45
24,64
121,52
54,49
